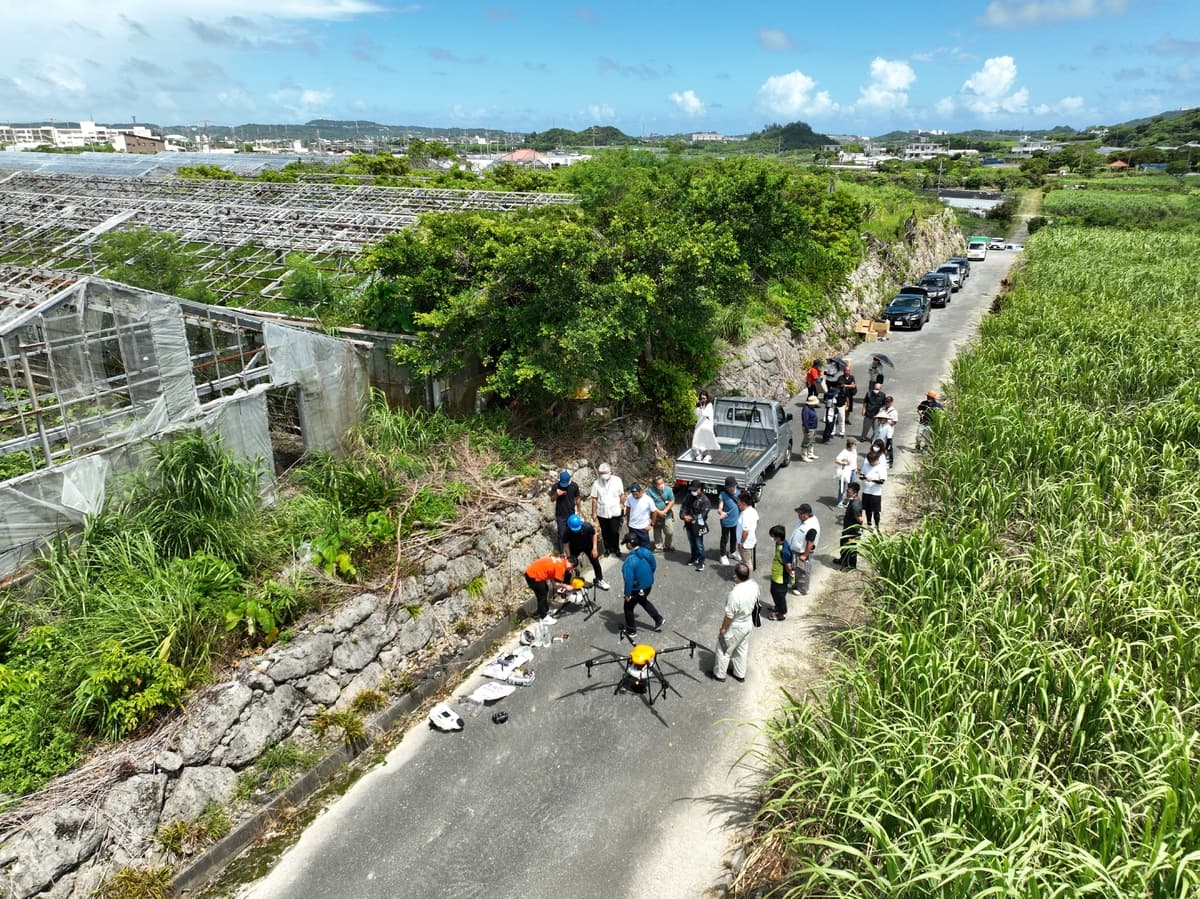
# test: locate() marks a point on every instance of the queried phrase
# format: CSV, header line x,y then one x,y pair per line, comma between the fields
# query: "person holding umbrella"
x,y
875,373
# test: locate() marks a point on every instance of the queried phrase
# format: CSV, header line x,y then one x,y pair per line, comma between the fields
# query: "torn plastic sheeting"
x,y
35,507
331,374
241,421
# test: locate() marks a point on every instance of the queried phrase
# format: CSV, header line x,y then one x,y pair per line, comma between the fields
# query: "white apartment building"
x,y
85,134
925,150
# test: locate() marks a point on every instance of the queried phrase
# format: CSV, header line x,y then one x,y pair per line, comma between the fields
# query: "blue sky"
x,y
648,67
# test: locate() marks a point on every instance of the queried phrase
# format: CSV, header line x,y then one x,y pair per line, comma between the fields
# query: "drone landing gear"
x,y
640,671
643,675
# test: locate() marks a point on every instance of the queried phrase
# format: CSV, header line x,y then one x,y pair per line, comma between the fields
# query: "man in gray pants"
x,y
733,639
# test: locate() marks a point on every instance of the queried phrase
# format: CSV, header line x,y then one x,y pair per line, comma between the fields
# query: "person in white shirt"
x,y
845,468
639,514
733,638
747,528
803,542
608,508
874,473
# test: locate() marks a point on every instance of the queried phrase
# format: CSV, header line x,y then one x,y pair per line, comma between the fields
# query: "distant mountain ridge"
x,y
1174,127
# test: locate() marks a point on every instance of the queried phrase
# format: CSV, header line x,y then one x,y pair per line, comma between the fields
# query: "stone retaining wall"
x,y
366,642
273,697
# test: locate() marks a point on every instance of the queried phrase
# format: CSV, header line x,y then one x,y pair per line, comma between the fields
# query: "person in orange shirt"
x,y
544,574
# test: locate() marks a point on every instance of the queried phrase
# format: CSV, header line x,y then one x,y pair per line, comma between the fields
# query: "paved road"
x,y
587,794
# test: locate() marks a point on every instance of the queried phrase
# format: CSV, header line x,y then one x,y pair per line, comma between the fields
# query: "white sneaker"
x,y
724,560
549,619
737,557
602,584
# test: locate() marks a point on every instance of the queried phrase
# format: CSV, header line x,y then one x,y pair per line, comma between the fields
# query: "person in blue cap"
x,y
582,539
565,494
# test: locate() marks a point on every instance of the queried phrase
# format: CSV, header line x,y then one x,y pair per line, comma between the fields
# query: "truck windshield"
x,y
743,413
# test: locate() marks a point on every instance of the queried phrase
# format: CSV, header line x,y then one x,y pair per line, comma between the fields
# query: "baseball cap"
x,y
804,507
635,488
604,468
564,478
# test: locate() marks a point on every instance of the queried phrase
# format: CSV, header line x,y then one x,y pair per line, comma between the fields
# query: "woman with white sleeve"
x,y
704,438
846,469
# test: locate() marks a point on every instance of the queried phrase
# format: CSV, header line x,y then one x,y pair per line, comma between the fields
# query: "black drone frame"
x,y
653,670
588,594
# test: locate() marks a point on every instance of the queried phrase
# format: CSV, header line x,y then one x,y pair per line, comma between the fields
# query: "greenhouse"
x,y
241,230
92,371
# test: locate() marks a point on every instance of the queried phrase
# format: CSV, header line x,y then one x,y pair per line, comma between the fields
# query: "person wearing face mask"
x,y
608,508
694,513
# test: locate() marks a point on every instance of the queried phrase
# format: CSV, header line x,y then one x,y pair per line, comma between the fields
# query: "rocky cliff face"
x,y
772,363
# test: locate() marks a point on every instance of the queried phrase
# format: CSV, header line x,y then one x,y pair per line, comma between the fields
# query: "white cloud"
x,y
944,107
889,84
1010,14
989,92
600,112
235,99
689,104
774,39
792,94
301,102
1065,106
994,79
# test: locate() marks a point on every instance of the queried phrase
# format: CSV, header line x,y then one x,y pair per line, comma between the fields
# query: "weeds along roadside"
x,y
185,570
1021,720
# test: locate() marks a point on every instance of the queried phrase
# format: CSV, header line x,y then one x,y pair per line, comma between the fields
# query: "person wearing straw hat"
x,y
809,422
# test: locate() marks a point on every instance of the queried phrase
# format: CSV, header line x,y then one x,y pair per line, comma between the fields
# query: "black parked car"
x,y
909,309
939,287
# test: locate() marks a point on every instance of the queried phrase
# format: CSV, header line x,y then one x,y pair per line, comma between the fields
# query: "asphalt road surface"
x,y
583,793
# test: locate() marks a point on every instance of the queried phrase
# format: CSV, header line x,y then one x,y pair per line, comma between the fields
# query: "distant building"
x,y
1028,146
130,142
925,150
707,135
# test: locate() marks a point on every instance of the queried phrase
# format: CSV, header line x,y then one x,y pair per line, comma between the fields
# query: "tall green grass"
x,y
1022,719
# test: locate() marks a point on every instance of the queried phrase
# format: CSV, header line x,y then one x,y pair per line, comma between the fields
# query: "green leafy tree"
x,y
148,259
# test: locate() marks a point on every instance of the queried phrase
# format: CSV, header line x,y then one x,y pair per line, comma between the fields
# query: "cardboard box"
x,y
881,329
863,326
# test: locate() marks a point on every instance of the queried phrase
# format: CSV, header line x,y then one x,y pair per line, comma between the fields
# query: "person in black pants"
x,y
849,387
565,494
638,573
582,540
853,520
